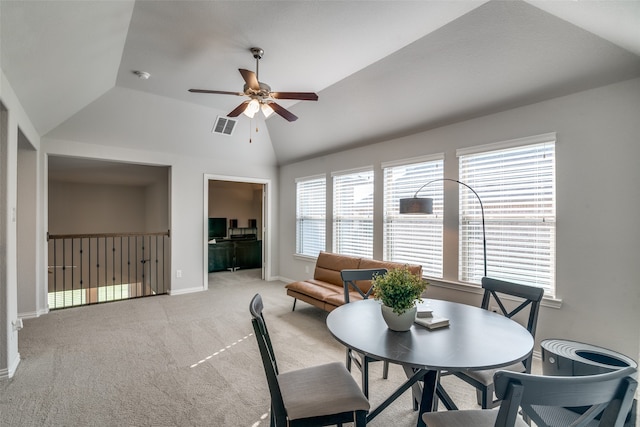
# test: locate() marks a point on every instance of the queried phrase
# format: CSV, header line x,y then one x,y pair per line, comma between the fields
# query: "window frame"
x,y
421,242
515,206
353,229
311,214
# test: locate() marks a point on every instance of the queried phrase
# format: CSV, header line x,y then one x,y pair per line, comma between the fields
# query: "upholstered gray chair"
x,y
607,399
494,291
316,396
350,280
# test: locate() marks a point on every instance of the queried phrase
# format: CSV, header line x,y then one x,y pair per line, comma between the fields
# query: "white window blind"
x,y
517,188
311,212
353,213
414,239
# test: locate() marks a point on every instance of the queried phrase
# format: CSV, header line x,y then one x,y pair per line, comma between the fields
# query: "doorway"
x,y
235,224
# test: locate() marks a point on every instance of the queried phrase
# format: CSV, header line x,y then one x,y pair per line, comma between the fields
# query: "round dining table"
x,y
474,339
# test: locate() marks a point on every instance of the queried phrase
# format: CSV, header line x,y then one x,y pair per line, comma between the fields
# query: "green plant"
x,y
399,289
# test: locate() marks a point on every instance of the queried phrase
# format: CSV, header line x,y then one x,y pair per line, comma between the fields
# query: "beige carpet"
x,y
188,360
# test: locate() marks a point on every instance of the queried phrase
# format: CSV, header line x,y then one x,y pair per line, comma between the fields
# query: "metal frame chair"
x,y
349,279
545,399
482,380
316,396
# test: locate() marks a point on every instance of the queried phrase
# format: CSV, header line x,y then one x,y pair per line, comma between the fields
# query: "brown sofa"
x,y
326,290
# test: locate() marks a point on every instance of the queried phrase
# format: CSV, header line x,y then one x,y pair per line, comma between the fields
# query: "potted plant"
x,y
399,290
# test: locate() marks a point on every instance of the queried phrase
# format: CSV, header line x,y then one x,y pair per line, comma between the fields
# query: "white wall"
x,y
13,120
28,292
598,240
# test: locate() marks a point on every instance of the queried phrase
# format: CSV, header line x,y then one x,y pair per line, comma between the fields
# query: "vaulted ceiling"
x,y
381,68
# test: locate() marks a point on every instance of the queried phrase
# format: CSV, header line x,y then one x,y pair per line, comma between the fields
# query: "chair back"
x,y
350,277
532,295
256,306
544,399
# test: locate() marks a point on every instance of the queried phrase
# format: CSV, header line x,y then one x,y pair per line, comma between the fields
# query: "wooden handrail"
x,y
101,235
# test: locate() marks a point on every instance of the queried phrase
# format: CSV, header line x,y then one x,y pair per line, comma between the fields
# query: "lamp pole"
x,y
418,205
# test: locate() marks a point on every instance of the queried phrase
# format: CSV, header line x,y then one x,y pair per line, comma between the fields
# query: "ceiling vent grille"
x,y
224,126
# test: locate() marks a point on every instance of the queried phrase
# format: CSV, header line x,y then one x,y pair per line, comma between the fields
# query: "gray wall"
x,y
136,127
77,208
598,239
235,200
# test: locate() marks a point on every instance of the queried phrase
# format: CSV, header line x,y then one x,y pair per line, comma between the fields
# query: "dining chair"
x,y
315,396
544,399
494,293
350,279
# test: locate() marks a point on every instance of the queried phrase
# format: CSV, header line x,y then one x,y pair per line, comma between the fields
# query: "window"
x,y
516,182
311,211
353,213
414,239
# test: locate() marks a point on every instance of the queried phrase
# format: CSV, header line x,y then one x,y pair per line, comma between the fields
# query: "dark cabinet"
x,y
232,255
248,254
220,256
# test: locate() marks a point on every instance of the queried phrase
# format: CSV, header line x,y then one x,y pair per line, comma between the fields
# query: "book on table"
x,y
432,322
424,311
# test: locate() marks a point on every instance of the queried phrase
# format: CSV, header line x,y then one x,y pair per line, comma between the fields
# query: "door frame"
x,y
266,221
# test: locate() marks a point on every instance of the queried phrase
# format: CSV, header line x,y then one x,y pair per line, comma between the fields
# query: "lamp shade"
x,y
266,110
252,108
416,205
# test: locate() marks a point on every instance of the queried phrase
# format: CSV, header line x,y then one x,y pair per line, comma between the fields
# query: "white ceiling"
x,y
381,68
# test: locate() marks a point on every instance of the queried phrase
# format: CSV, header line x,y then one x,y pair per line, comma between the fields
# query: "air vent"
x,y
224,126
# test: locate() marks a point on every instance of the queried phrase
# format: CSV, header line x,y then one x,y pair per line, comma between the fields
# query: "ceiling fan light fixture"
x,y
252,108
266,109
260,95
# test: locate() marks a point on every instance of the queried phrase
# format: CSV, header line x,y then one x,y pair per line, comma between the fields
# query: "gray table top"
x,y
474,339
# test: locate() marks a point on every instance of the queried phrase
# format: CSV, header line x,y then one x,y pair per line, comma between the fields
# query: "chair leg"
x,y
360,419
484,397
365,376
385,370
348,361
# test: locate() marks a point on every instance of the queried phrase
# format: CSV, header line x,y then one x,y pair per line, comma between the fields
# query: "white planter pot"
x,y
395,322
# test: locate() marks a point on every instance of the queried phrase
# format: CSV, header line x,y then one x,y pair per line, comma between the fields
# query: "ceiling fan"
x,y
260,94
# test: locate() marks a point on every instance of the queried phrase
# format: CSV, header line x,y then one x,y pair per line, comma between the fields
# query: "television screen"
x,y
217,228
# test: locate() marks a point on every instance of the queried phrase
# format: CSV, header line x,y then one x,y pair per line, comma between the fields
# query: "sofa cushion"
x,y
338,299
315,289
372,263
366,264
329,266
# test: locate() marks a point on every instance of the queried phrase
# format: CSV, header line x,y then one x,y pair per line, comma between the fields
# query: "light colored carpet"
x,y
188,360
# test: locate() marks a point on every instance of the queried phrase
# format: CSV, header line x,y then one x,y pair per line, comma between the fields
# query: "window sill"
x,y
547,301
307,258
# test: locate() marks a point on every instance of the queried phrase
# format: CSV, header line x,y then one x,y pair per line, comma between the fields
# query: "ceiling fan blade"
x,y
238,110
303,96
250,78
221,92
286,114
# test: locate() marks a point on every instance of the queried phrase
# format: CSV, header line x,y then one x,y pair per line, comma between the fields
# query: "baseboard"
x,y
7,373
185,291
33,314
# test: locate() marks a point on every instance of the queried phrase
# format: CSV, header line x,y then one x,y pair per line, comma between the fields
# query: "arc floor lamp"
x,y
417,205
